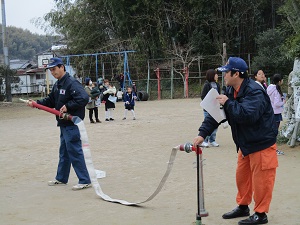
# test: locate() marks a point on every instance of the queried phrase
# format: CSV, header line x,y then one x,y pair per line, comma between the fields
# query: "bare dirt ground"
x,y
134,155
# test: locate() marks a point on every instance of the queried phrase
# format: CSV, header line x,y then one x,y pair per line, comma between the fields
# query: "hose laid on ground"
x,y
89,162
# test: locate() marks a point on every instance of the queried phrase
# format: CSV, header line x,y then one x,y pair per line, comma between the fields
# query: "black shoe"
x,y
254,219
98,121
106,119
111,119
92,121
237,212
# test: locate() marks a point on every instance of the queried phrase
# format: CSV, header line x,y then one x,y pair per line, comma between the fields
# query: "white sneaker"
x,y
279,152
204,144
81,186
214,144
55,183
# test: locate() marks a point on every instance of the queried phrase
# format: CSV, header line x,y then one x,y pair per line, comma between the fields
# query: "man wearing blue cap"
x,y
67,96
249,112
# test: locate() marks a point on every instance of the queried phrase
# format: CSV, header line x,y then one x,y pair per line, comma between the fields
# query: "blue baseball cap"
x,y
234,63
54,62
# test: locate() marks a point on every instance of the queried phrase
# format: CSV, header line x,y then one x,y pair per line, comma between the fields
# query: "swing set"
x,y
126,72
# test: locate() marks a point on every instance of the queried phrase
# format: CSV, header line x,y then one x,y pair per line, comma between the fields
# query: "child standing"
x,y
129,98
277,100
96,92
260,78
93,94
108,95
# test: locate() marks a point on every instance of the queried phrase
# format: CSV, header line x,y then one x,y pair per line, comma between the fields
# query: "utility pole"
x,y
5,48
224,60
5,53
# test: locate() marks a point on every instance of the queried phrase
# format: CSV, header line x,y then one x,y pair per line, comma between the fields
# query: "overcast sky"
x,y
20,12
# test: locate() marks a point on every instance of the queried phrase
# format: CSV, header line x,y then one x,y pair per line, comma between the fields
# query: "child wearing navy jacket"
x,y
129,99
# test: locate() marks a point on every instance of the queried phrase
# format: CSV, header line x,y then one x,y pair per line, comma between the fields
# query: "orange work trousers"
x,y
255,176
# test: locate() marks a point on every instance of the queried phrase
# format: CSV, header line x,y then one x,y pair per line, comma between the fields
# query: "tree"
x,y
269,57
155,28
291,10
182,54
5,74
23,44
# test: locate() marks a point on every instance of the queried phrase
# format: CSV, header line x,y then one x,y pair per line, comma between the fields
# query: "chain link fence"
x,y
169,83
177,78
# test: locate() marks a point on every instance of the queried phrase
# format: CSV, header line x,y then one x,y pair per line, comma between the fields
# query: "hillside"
x,y
23,44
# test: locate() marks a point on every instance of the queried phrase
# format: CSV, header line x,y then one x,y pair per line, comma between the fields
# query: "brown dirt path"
x,y
134,155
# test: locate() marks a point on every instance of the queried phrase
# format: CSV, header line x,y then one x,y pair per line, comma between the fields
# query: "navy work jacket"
x,y
250,116
69,92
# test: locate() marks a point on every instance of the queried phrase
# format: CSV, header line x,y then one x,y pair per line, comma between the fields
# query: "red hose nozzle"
x,y
188,147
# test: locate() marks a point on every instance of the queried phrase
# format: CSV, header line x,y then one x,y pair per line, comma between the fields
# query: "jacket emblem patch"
x,y
62,91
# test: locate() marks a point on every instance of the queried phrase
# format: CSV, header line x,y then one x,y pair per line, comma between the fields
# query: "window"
x,y
40,76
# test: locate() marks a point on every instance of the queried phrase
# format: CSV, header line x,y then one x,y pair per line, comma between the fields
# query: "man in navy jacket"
x,y
249,112
68,96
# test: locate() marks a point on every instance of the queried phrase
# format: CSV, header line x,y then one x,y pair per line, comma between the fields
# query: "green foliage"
x,y
269,57
4,70
154,28
281,139
291,48
291,10
160,28
6,74
23,44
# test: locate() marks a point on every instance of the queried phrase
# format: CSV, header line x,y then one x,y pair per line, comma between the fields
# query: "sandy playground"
x,y
134,155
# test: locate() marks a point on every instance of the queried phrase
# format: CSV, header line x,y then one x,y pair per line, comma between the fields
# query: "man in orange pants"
x,y
249,112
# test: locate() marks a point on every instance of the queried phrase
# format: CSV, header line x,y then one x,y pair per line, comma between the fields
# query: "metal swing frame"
x,y
126,71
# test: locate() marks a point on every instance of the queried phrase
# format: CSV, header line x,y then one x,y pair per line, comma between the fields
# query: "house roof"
x,y
19,64
35,70
30,71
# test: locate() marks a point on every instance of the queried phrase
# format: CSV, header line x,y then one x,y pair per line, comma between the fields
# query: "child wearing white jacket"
x,y
110,100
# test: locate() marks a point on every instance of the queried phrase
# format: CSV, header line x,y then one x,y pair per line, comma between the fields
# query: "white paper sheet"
x,y
212,106
100,174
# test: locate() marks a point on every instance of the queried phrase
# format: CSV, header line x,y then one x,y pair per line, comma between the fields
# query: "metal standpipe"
x,y
201,212
200,188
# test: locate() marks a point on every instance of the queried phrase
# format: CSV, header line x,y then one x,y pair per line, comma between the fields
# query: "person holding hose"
x,y
249,113
67,96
